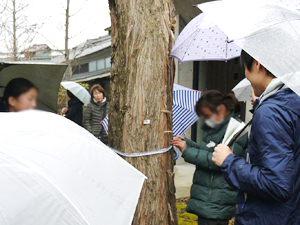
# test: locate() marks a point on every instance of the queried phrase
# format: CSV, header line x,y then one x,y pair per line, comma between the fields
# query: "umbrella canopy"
x,y
183,112
77,90
202,40
269,32
295,4
242,90
55,172
46,76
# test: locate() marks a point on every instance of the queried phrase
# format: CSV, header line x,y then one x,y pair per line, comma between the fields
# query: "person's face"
x,y
253,96
25,101
98,96
257,77
206,113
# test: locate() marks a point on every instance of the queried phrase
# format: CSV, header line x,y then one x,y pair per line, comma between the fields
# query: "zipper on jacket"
x,y
245,199
210,191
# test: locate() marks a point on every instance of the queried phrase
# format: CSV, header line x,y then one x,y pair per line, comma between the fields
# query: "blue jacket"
x,y
269,187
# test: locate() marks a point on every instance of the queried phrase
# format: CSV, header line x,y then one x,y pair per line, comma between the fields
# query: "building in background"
x,y
40,52
91,61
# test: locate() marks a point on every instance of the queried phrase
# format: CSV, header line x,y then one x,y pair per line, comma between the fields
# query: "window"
x,y
100,64
92,66
107,62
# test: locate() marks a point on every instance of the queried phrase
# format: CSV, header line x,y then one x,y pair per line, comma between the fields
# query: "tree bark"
x,y
67,59
15,46
141,88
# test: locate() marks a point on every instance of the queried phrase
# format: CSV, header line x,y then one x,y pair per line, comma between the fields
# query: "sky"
x,y
88,23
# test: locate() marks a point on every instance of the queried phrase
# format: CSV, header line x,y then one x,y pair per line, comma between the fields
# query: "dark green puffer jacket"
x,y
93,115
211,196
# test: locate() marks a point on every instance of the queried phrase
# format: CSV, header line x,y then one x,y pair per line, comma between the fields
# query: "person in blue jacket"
x,y
269,182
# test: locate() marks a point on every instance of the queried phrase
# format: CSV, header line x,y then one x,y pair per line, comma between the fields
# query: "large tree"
x,y
18,32
141,89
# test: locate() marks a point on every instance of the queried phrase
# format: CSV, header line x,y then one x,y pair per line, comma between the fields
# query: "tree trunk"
x,y
67,59
15,47
141,89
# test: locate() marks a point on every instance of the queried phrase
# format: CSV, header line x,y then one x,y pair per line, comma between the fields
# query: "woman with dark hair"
x,y
20,94
74,110
212,199
95,112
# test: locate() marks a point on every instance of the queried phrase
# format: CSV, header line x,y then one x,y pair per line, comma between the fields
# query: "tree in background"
x,y
141,89
17,32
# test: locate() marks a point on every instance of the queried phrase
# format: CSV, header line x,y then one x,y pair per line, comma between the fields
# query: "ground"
x,y
185,218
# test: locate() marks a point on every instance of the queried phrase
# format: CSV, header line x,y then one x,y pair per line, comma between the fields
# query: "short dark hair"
x,y
97,87
213,99
17,87
247,61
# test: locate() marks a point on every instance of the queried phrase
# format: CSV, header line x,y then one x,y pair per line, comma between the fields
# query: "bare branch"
x,y
77,34
79,9
57,49
62,6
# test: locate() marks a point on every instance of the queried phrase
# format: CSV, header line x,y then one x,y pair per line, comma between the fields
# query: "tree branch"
x,y
79,9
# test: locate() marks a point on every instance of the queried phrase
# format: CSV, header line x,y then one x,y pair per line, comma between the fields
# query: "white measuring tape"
x,y
138,154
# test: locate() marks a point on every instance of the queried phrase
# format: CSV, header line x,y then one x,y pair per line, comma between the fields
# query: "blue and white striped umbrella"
x,y
184,115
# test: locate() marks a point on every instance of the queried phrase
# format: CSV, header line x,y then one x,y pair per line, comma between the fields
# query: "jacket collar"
x,y
274,86
98,103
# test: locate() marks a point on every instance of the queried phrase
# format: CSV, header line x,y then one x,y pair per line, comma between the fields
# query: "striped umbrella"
x,y
184,115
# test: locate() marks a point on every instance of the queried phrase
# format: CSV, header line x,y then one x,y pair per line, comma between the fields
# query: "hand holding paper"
x,y
222,150
220,154
233,128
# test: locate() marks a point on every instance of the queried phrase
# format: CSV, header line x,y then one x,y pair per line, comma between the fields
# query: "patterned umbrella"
x,y
201,40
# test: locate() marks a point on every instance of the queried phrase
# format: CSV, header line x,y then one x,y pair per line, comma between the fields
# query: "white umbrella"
x,y
242,90
270,33
202,40
76,89
55,172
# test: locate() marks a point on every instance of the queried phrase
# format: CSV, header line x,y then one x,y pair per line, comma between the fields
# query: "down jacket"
x,y
93,115
211,196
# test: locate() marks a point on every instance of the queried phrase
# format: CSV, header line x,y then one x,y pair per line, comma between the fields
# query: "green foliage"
x,y
185,218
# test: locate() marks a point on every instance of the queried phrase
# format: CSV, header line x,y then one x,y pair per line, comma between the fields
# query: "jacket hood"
x,y
285,98
278,93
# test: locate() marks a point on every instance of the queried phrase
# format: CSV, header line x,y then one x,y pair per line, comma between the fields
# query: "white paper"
x,y
234,127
